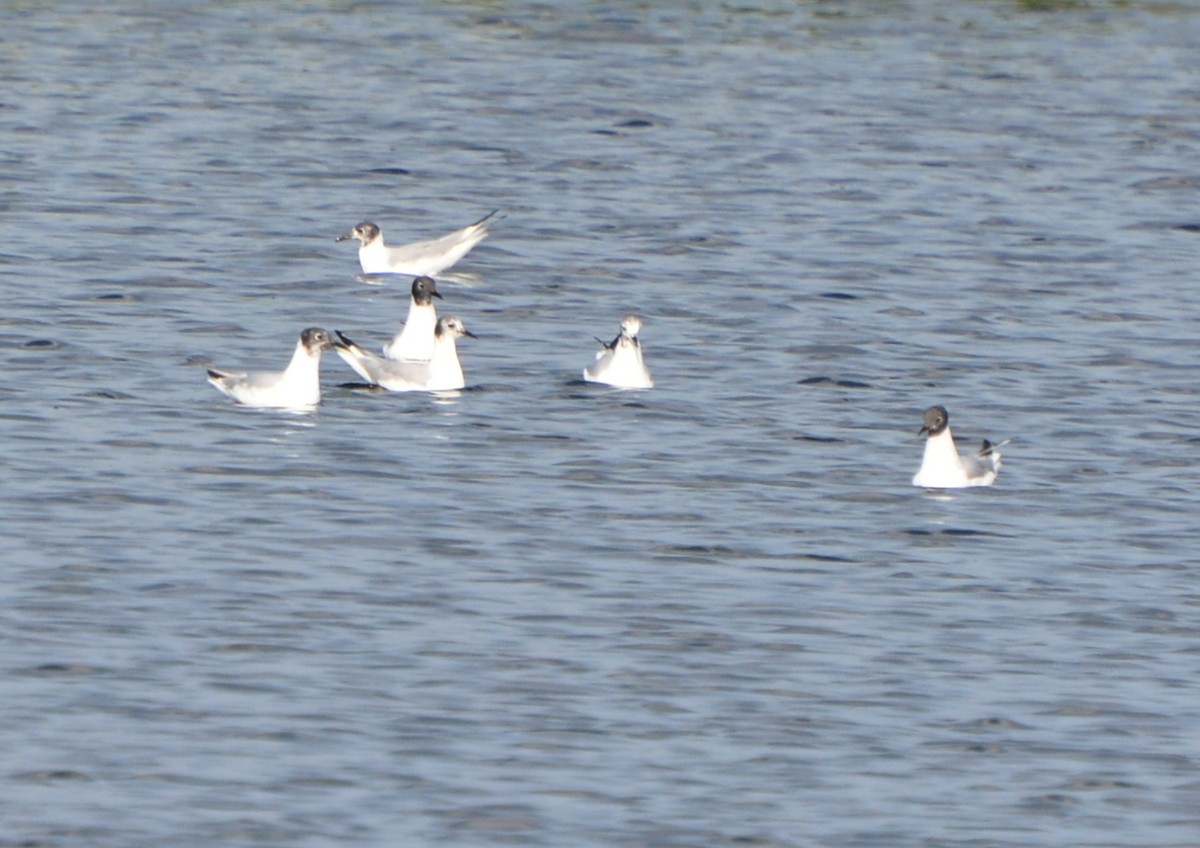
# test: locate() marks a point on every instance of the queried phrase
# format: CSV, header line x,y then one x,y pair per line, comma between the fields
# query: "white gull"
x,y
942,467
619,362
421,258
441,372
296,387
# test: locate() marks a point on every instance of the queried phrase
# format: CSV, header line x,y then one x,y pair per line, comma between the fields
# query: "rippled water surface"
x,y
545,613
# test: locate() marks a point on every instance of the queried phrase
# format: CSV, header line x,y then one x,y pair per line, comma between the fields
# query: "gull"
x,y
415,339
296,387
942,467
421,258
441,373
619,362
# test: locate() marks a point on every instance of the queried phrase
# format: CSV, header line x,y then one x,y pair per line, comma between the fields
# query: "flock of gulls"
x,y
423,356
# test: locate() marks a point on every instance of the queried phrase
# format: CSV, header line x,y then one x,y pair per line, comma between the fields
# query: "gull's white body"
x,y
442,372
422,258
942,467
619,363
296,387
414,341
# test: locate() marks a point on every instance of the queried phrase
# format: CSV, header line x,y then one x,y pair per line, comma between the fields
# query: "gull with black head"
x,y
942,467
421,258
414,341
296,387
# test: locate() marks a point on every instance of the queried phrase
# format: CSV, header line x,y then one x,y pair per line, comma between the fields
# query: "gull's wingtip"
x,y
989,448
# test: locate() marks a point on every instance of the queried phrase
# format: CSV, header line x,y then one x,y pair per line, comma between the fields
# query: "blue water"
x,y
546,613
